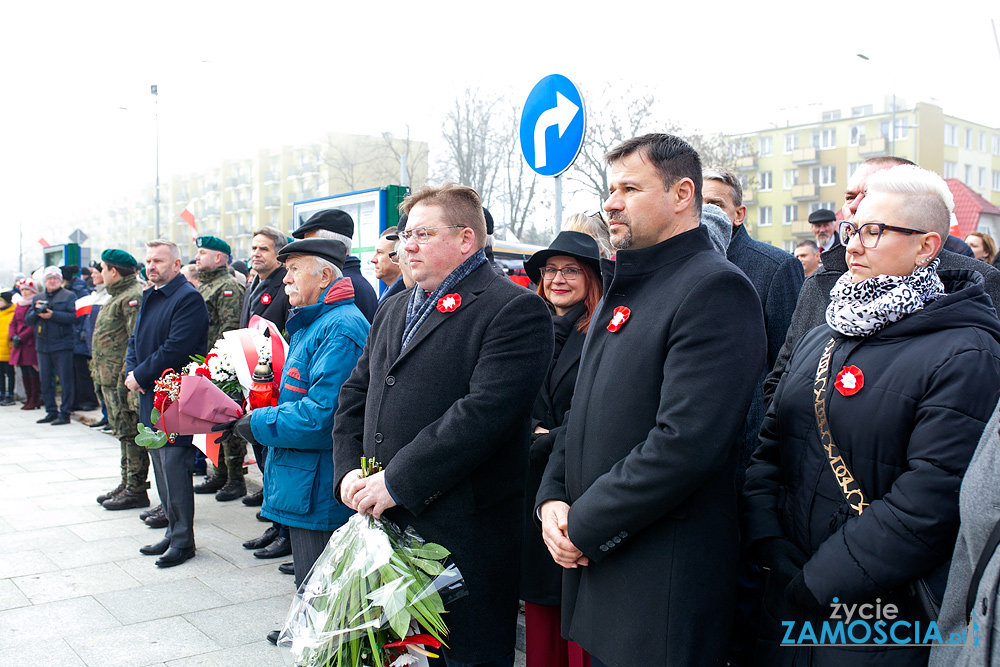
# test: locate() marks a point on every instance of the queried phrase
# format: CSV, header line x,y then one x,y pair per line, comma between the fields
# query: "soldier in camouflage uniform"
x,y
115,323
223,295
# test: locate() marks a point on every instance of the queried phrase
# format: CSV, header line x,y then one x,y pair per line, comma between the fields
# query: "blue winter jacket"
x,y
325,343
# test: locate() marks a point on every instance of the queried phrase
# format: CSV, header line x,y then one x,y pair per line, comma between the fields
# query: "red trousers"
x,y
544,645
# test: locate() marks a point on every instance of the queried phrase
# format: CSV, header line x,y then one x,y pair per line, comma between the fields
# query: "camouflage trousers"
x,y
123,416
231,459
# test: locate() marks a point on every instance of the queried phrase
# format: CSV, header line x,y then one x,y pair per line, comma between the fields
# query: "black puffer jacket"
x,y
931,381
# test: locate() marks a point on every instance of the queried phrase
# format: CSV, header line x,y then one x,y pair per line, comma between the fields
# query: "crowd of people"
x,y
682,446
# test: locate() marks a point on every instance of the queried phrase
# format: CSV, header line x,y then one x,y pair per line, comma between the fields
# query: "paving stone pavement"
x,y
76,592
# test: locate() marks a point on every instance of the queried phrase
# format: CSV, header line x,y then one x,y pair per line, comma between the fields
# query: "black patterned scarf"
x,y
421,303
862,308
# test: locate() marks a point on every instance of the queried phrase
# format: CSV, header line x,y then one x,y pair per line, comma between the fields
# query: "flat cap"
x,y
400,226
213,243
118,258
331,250
822,215
332,220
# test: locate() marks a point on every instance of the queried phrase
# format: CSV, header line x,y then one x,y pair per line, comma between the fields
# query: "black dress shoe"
x,y
260,542
287,568
282,546
234,488
174,556
260,517
255,499
273,635
103,422
155,549
60,421
50,417
210,485
110,494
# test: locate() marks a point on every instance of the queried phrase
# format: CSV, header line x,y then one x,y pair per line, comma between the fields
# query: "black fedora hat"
x,y
572,244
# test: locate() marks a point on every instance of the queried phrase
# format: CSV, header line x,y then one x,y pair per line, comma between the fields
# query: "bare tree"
x,y
519,185
352,163
474,132
413,153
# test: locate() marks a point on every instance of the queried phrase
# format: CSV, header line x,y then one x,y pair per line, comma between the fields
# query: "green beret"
x,y
120,258
214,243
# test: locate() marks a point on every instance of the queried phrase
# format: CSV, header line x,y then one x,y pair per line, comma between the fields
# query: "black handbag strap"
x,y
845,479
977,574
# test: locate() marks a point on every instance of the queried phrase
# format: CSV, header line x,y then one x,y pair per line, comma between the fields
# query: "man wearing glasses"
x,y
441,398
810,311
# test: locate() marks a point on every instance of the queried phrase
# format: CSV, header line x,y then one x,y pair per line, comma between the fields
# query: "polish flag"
x,y
85,304
187,216
42,242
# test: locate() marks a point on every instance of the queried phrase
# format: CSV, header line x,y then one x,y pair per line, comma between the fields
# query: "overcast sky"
x,y
78,117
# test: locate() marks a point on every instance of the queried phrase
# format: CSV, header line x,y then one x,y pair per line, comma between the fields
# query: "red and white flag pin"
x,y
618,318
265,298
449,303
850,380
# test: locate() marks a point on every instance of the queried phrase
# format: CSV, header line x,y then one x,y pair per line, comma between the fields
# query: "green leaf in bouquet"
x,y
149,438
431,567
154,415
430,550
400,623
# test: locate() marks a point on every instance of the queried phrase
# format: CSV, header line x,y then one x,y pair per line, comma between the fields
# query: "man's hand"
x,y
131,384
349,486
555,526
374,498
45,314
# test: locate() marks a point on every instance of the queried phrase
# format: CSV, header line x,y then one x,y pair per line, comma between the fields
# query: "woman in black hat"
x,y
568,275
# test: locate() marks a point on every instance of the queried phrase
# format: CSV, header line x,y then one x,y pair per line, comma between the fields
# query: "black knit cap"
x,y
331,250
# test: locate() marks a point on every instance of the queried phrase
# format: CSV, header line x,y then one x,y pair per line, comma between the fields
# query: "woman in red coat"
x,y
22,337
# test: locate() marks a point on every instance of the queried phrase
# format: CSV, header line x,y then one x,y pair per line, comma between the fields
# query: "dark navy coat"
x,y
172,327
931,381
58,333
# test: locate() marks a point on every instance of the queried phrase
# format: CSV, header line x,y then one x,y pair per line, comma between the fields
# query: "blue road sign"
x,y
552,125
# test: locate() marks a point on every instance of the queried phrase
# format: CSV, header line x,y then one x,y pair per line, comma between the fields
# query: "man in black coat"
x,y
810,311
441,397
336,224
172,327
638,501
265,296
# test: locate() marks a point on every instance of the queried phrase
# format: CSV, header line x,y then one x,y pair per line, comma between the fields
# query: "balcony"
x,y
749,197
211,187
873,147
801,229
271,177
294,172
805,155
746,163
210,212
806,192
272,202
230,207
309,169
231,183
243,206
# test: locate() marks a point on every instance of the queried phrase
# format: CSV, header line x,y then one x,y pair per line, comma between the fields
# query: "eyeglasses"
x,y
394,257
870,232
569,273
421,235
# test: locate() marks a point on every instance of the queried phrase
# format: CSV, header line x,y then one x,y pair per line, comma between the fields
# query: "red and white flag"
x,y
187,215
42,242
85,304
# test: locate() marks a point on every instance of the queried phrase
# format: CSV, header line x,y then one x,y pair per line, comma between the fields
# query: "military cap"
x,y
213,243
332,219
331,250
822,215
114,257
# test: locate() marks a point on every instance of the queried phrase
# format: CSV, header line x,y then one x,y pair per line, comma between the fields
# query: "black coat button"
x,y
378,438
390,380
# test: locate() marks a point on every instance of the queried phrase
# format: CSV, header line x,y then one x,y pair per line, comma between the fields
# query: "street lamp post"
x,y
156,107
892,129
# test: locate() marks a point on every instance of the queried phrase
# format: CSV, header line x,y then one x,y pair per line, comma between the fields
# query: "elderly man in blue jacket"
x,y
171,327
327,334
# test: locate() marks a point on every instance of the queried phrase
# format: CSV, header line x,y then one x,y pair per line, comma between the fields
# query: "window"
x,y
831,115
982,177
825,175
950,169
950,135
275,218
865,110
763,181
791,214
824,139
738,147
996,144
852,167
792,142
968,138
857,135
744,182
982,141
764,146
826,205
901,129
791,178
764,216
996,180
968,174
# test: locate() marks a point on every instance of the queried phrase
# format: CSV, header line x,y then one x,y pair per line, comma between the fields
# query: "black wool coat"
x,y
931,381
647,457
266,298
448,417
541,578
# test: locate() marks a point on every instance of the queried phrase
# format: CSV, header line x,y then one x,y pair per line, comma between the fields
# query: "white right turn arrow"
x,y
562,114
